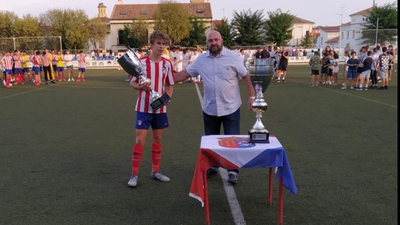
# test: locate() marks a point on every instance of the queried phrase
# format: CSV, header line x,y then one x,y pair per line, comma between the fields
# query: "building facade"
x,y
123,14
299,30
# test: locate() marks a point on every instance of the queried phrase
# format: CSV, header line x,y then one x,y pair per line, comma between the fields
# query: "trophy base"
x,y
160,102
258,137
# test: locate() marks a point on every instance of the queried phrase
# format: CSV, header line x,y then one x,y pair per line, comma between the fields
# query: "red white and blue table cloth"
x,y
235,152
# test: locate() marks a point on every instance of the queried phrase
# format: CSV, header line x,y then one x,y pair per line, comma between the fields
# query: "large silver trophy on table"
x,y
260,74
130,62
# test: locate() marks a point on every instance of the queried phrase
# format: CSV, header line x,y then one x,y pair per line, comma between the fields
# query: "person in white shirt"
x,y
178,58
68,58
186,58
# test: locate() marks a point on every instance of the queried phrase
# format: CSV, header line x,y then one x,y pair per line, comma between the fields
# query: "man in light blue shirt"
x,y
221,70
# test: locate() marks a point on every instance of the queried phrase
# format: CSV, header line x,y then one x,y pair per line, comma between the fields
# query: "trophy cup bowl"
x,y
130,62
260,75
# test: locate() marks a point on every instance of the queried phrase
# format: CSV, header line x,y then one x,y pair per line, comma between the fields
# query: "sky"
x,y
322,13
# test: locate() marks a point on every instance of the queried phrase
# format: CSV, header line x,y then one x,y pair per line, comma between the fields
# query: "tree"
x,y
97,32
7,22
173,19
307,41
226,31
135,34
249,27
28,27
279,27
196,35
70,24
387,15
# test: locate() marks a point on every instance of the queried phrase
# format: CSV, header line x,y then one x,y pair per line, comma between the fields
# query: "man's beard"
x,y
212,49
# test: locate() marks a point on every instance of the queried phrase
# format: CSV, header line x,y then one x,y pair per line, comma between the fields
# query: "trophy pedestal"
x,y
258,136
160,101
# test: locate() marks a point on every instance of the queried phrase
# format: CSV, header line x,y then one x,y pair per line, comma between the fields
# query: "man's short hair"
x,y
369,53
384,49
158,35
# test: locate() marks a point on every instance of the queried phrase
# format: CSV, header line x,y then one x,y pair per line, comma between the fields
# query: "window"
x,y
123,12
348,34
342,35
143,12
353,20
199,10
354,34
322,40
120,38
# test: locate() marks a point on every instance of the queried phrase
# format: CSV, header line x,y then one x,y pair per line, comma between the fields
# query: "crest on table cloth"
x,y
235,142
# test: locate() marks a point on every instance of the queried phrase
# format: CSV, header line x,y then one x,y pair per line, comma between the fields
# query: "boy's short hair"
x,y
158,35
37,52
369,53
353,53
80,51
384,49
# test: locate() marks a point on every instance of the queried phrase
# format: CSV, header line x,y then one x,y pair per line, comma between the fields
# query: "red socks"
x,y
137,153
156,157
136,158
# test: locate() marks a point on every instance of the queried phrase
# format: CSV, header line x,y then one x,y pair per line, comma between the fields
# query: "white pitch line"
x,y
22,93
229,191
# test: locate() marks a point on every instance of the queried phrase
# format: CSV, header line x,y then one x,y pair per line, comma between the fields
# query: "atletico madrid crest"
x,y
235,142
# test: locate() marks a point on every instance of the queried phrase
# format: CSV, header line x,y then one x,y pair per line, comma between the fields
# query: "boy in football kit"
x,y
25,66
160,71
68,61
60,66
17,67
37,62
81,67
7,63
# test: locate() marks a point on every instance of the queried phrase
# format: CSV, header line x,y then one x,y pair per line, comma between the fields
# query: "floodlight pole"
x,y
14,43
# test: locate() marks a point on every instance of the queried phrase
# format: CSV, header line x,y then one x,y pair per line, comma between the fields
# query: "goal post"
x,y
30,44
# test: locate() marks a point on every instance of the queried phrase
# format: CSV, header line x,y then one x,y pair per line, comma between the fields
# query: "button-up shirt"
x,y
221,75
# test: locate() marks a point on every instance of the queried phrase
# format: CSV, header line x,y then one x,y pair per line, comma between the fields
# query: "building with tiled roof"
x,y
123,14
103,19
300,28
326,34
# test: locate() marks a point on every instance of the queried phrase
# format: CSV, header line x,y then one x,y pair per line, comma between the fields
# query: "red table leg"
x,y
280,201
270,187
207,210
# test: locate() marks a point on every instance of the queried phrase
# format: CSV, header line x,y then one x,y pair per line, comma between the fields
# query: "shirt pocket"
x,y
229,74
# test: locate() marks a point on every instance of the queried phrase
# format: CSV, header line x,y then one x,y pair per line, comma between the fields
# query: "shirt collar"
x,y
223,52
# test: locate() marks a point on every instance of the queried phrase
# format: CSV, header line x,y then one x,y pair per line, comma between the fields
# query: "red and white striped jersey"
x,y
17,61
160,74
81,61
7,62
36,60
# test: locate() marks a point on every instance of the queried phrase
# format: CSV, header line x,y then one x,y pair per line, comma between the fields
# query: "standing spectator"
x,y
374,69
186,58
159,70
352,63
383,62
361,57
221,70
324,68
36,61
283,63
314,67
366,71
178,59
346,67
265,53
257,54
392,53
335,63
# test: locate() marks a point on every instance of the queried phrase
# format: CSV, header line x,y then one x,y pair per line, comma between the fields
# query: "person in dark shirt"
x,y
365,72
325,61
257,55
265,53
352,63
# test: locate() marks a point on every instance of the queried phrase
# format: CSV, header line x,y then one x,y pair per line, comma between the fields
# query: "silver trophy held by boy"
x,y
131,64
260,75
